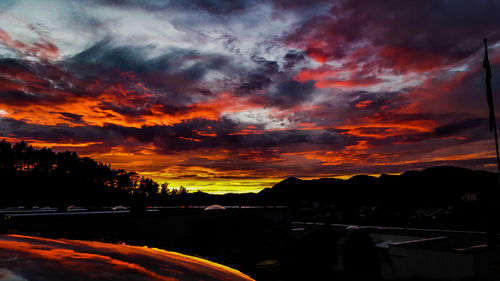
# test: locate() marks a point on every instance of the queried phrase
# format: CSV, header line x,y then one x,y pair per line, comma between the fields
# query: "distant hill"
x,y
436,186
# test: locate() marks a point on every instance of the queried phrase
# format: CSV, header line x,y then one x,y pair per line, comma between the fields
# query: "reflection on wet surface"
x,y
35,258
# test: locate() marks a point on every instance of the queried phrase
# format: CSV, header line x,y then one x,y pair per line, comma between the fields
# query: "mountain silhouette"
x,y
436,186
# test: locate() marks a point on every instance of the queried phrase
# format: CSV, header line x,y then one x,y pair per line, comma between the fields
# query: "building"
x,y
405,253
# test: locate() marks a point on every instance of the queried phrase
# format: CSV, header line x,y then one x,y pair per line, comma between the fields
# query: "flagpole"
x,y
496,145
492,107
493,207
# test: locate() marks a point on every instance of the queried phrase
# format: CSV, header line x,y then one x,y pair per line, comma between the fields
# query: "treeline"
x,y
41,177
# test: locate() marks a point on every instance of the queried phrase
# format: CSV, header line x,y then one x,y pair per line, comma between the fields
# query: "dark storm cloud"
x,y
449,27
166,72
260,78
426,33
21,98
465,91
375,100
292,58
458,132
217,7
136,110
466,131
253,83
122,57
23,130
171,109
458,127
266,66
75,118
32,82
20,74
299,4
180,137
14,65
290,93
402,117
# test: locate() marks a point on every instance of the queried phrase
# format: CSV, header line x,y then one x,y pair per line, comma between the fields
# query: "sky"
x,y
236,95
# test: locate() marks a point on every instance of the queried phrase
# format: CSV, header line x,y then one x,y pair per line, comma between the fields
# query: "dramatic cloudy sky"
x,y
235,95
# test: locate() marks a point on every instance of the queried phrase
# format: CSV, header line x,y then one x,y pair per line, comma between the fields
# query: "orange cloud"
x,y
205,134
363,103
190,139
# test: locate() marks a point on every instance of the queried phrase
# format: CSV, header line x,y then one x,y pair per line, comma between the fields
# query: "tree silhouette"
x,y
148,187
45,178
164,189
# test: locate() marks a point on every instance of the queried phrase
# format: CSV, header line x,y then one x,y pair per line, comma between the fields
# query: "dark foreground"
x,y
238,238
264,243
34,258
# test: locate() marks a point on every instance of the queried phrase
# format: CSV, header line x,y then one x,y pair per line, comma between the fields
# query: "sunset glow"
x,y
235,96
